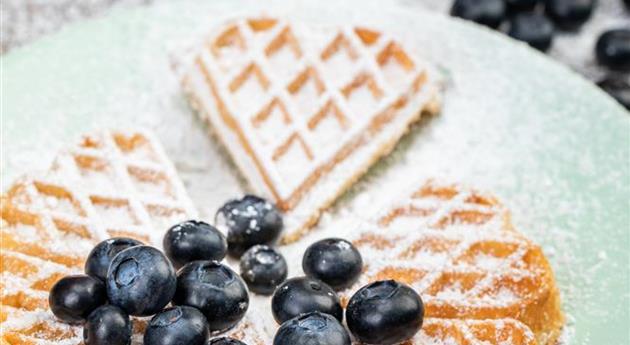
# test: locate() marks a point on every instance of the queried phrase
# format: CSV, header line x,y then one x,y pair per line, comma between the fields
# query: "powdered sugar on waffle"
x,y
305,110
256,328
121,181
474,142
96,189
41,317
423,234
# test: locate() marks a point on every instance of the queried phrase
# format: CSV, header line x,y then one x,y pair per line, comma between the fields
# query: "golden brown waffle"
x,y
109,184
459,250
473,332
304,111
482,282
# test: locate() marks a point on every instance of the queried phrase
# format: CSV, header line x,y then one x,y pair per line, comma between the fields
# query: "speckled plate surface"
x,y
550,144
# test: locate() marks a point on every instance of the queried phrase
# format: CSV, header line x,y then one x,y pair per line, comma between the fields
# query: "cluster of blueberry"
x,y
535,21
126,278
310,312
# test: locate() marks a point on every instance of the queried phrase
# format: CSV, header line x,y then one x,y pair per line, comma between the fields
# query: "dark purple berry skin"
x,y
304,295
263,269
141,281
216,290
194,240
225,341
618,87
312,328
177,326
533,29
385,312
334,261
569,14
107,325
486,12
101,256
613,49
516,6
73,298
250,220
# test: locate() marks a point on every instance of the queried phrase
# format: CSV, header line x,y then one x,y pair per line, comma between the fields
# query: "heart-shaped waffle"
x,y
305,111
457,247
111,183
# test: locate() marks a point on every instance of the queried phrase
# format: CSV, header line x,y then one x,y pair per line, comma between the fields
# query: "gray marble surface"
x,y
24,21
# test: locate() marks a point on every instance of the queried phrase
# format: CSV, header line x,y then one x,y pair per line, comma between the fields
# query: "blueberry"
x,y
334,261
487,12
618,87
213,288
194,240
533,29
385,312
141,281
73,298
312,328
179,325
102,255
569,14
304,295
225,341
250,221
514,6
263,269
107,325
613,49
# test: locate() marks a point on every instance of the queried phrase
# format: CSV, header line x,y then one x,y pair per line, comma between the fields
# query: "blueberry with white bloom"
x,y
486,12
107,325
263,269
225,341
334,261
312,328
303,295
177,326
613,49
570,14
101,256
73,298
216,290
532,28
194,240
385,312
250,220
141,281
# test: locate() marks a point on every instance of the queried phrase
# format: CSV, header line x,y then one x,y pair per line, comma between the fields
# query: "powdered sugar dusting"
x,y
461,252
498,132
301,165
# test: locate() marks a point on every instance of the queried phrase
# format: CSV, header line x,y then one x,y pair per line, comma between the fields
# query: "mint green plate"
x,y
550,144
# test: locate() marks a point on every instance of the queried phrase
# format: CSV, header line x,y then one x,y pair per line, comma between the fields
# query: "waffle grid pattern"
x,y
300,101
111,183
458,249
281,92
473,332
50,222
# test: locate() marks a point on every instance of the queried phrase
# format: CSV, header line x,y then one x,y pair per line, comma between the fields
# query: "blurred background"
x,y
590,36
